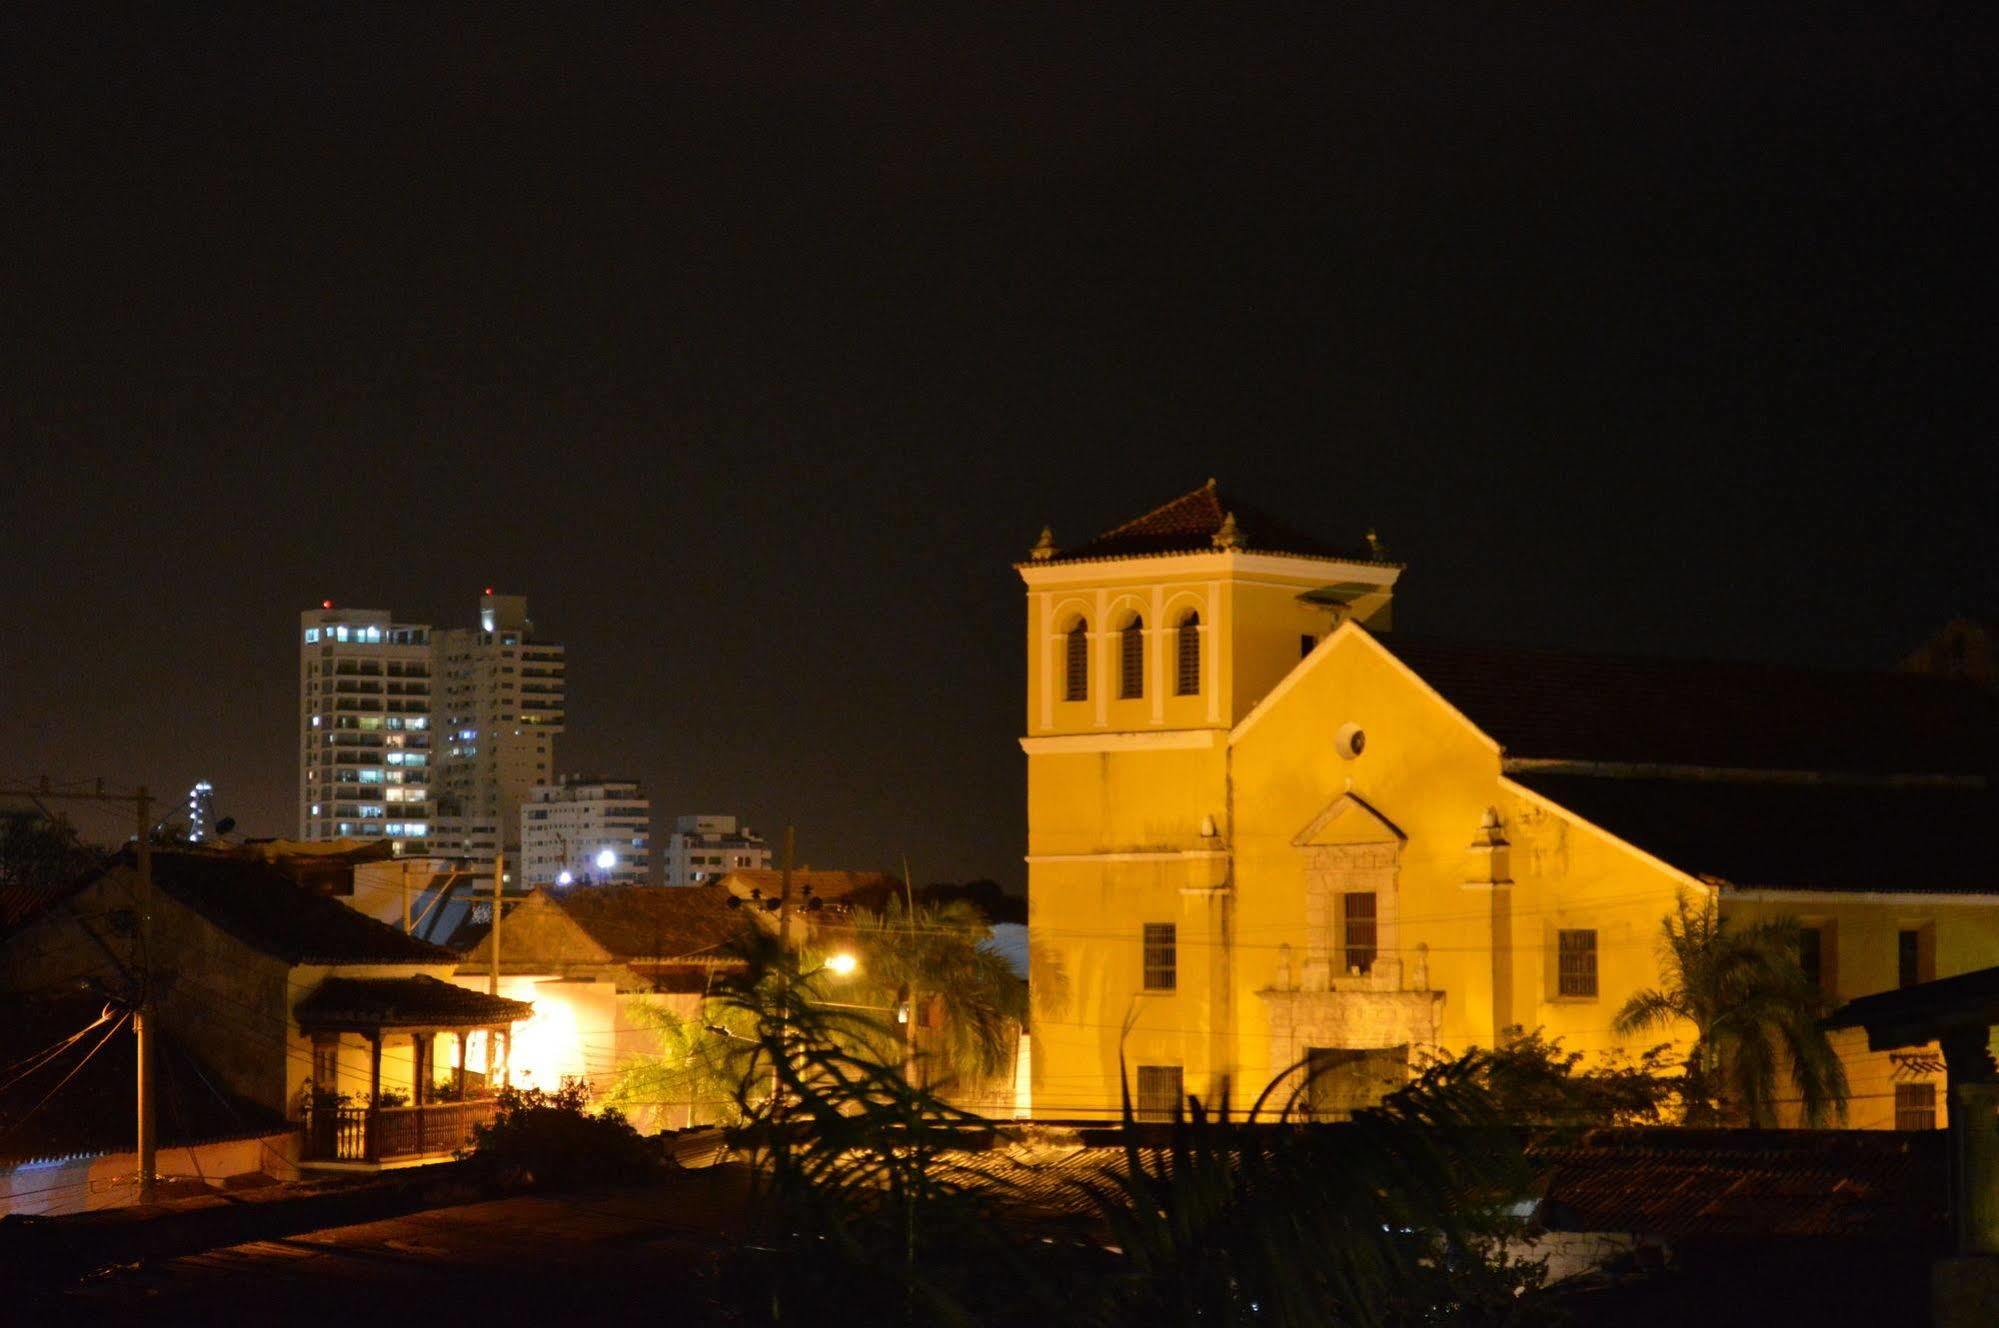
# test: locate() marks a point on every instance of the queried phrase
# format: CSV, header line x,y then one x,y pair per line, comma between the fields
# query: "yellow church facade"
x,y
1264,832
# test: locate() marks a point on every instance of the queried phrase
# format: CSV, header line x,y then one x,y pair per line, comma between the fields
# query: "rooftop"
x,y
652,921
1796,835
412,1002
1747,1184
93,1113
262,907
1561,705
1191,523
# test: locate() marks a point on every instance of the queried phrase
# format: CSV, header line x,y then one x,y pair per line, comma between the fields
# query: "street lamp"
x,y
606,860
841,965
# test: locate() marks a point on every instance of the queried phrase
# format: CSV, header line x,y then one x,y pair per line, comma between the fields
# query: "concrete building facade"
x,y
705,847
499,705
586,829
364,685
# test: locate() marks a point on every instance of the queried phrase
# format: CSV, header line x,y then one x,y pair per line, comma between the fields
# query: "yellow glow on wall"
x,y
548,1047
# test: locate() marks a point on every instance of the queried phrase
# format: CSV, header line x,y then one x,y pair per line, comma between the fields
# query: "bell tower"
x,y
1146,646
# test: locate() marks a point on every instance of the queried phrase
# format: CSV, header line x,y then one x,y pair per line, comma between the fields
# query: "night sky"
x,y
754,350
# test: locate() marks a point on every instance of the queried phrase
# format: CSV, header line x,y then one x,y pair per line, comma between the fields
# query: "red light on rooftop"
x,y
489,590
326,604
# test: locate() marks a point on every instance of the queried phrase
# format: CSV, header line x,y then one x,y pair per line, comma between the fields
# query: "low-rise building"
x,y
598,963
704,847
300,1005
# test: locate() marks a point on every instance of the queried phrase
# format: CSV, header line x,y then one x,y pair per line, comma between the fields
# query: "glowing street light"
x,y
565,878
606,860
842,964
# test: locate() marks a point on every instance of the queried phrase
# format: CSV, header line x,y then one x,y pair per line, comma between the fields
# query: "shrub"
x,y
555,1140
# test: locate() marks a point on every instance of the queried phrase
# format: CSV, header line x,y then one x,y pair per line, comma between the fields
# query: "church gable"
x,y
1348,820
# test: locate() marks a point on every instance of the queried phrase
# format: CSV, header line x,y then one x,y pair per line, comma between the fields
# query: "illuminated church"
x,y
1264,830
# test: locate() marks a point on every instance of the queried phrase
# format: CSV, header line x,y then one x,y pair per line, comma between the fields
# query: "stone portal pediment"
x,y
1348,820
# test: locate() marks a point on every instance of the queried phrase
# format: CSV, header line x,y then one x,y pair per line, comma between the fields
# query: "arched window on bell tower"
x,y
1076,663
1187,655
1131,660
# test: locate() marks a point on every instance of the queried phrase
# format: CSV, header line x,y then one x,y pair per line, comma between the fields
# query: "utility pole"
x,y
142,998
499,877
784,893
142,1016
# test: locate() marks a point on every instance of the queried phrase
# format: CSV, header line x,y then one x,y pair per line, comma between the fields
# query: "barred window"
x,y
1076,681
1162,956
1915,1106
1187,676
1131,659
1576,966
1159,1092
1361,931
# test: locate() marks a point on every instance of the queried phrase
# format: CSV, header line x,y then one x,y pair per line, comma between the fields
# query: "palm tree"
x,y
937,958
1755,1014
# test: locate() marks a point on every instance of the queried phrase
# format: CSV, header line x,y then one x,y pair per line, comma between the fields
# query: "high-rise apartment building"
x,y
705,847
499,705
587,829
364,727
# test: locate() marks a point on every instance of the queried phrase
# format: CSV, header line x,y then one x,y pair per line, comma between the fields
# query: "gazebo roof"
x,y
1915,1015
367,1004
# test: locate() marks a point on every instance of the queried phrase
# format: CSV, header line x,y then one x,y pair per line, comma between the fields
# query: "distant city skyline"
x,y
756,354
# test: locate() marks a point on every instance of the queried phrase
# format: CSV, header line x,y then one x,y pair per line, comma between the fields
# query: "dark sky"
x,y
755,349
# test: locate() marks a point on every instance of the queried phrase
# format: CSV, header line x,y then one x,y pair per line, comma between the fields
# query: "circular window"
x,y
1351,740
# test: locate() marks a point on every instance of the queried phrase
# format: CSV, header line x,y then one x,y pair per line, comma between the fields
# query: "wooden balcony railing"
x,y
384,1134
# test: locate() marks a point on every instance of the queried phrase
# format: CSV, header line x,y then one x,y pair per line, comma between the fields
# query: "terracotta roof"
x,y
91,1114
1785,835
262,907
653,921
1721,1184
1747,1184
1552,704
413,1002
866,888
1189,523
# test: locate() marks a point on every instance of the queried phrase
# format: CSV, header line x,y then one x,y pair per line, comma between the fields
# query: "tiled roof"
x,y
1720,1184
865,888
1189,523
653,921
1796,835
1550,704
260,906
1915,1014
1747,1184
92,1113
413,1002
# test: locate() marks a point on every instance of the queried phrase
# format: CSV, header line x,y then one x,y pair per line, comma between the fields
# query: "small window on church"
x,y
1131,659
1076,679
1187,676
1575,972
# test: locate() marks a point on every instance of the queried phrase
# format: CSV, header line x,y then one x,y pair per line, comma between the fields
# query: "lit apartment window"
x,y
1076,679
1187,645
1159,1095
1915,1106
1575,973
1360,927
1162,958
1131,659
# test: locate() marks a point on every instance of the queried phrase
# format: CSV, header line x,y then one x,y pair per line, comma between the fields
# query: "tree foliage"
x,y
1756,1019
1401,1216
938,957
554,1139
